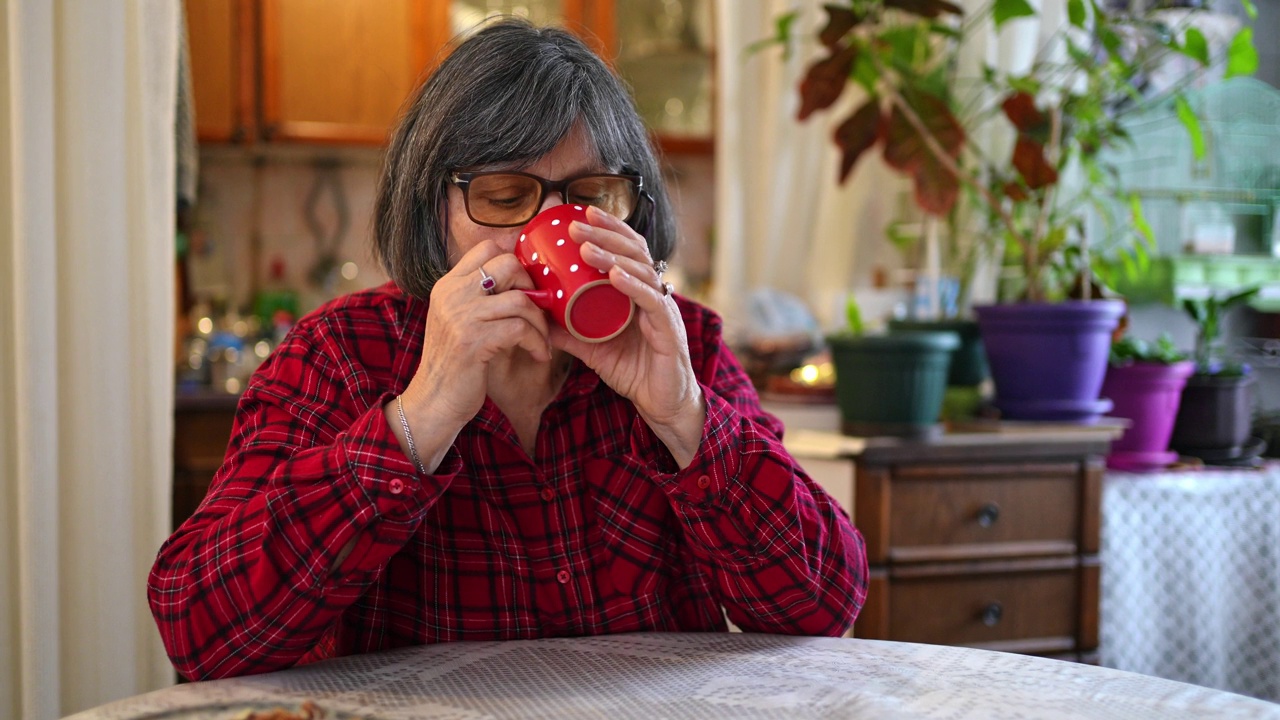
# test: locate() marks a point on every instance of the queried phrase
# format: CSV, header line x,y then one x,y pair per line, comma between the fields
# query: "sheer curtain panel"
x,y
86,326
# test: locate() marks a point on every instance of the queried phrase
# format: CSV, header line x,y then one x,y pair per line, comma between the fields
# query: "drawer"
x,y
934,515
1023,606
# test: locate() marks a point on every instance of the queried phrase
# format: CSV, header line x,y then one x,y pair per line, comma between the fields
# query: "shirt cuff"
x,y
717,463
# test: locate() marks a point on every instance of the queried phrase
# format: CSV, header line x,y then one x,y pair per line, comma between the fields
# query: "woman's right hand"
x,y
466,328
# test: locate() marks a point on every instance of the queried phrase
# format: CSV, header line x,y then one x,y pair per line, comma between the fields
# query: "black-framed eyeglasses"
x,y
505,198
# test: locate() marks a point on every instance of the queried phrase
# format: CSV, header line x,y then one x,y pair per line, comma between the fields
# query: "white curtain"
x,y
86,346
782,221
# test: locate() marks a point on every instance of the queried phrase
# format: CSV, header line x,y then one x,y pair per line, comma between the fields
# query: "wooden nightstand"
x,y
984,540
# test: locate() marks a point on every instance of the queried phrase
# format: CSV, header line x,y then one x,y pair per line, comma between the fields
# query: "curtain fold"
x,y
782,220
87,196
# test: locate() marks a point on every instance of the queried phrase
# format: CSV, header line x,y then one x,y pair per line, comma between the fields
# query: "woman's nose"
x,y
553,198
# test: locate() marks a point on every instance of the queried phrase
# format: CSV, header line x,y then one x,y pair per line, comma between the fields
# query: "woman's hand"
x,y
649,362
466,328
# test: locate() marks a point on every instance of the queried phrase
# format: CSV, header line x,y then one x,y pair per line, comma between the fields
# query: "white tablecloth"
x,y
714,675
1191,577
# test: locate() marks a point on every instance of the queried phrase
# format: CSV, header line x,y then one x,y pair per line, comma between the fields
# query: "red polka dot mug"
x,y
577,296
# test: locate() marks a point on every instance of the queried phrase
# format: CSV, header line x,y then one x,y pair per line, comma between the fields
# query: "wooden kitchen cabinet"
x,y
201,430
220,40
339,71
983,540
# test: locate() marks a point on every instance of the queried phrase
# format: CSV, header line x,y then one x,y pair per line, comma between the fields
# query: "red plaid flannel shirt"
x,y
599,533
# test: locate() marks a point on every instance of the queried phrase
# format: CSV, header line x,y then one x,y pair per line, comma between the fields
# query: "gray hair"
x,y
508,94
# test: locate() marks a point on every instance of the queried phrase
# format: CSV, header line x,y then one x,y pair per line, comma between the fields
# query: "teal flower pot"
x,y
892,384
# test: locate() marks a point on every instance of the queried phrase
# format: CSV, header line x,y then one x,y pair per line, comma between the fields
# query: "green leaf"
x,y
1111,41
1191,122
1140,220
1242,57
1195,46
1076,13
781,35
1250,9
865,73
853,314
1005,10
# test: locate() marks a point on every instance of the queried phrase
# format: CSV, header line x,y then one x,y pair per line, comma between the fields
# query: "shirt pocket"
x,y
638,548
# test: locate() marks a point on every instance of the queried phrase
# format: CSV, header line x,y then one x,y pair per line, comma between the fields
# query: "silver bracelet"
x,y
408,438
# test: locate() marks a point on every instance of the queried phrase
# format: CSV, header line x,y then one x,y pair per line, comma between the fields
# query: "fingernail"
x,y
581,227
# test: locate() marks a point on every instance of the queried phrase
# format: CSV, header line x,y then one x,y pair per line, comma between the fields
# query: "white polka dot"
x,y
573,267
577,207
535,257
546,271
559,242
522,238
559,294
555,222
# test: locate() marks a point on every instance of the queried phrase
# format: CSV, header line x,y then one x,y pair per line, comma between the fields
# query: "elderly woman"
x,y
432,460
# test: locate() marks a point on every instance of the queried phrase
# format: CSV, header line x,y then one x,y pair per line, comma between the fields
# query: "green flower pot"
x,y
968,360
892,384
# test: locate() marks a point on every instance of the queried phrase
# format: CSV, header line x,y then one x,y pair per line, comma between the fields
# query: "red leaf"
x,y
904,148
925,8
1016,192
1029,160
840,20
858,133
1021,110
936,188
825,81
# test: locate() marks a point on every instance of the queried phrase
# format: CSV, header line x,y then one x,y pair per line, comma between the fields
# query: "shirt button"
x,y
396,486
547,494
563,576
703,482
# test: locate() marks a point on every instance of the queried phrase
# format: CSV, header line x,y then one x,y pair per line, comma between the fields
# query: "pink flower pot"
x,y
1147,394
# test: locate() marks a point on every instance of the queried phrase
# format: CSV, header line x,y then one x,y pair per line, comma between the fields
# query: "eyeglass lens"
x,y
501,199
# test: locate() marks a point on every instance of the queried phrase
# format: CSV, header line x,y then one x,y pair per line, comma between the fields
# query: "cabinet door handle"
x,y
988,515
992,613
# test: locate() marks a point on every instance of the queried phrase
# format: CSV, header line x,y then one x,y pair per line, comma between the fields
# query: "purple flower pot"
x,y
1048,359
1147,394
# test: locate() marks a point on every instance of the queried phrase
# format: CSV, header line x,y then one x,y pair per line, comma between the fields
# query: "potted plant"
x,y
889,384
1215,417
1048,351
1144,380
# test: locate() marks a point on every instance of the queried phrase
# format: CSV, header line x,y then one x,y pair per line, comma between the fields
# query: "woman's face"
x,y
573,156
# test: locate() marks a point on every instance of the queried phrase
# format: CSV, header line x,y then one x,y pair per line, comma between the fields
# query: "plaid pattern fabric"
x,y
599,533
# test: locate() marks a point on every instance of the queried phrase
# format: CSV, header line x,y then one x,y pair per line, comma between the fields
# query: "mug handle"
x,y
542,298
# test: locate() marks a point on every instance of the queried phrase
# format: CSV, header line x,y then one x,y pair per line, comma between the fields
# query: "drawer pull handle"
x,y
988,515
992,614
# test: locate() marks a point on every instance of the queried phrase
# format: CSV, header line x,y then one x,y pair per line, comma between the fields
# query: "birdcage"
x,y
1214,218
1224,202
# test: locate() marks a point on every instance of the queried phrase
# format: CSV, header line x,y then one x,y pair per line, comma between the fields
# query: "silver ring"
x,y
487,283
660,267
667,289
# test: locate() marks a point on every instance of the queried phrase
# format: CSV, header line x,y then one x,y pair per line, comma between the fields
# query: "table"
x,y
1191,577
650,676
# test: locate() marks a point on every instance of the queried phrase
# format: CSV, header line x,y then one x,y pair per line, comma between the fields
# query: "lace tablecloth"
x,y
714,675
1191,577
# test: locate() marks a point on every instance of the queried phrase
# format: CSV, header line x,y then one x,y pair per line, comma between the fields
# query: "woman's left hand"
x,y
649,362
